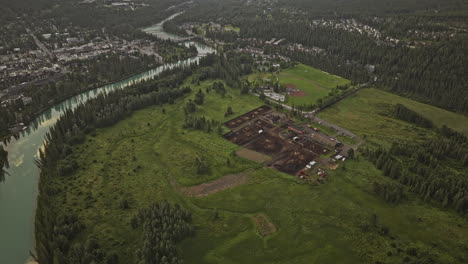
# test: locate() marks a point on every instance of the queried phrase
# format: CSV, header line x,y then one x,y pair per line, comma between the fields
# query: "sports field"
x,y
315,83
260,215
312,83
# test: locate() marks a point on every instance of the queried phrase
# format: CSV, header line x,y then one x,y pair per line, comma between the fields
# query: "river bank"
x,y
19,192
26,123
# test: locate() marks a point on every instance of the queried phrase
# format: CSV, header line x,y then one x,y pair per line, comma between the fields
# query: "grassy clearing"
x,y
368,113
148,157
314,82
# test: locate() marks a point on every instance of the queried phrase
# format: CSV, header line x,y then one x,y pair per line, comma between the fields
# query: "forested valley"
x,y
155,173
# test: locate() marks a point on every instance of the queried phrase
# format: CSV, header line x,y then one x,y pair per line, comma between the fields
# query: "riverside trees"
x,y
56,159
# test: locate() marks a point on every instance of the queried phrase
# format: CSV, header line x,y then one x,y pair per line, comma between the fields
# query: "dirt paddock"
x,y
267,144
238,121
295,161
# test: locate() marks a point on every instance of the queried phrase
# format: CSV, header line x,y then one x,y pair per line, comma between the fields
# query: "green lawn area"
x,y
149,156
314,82
367,113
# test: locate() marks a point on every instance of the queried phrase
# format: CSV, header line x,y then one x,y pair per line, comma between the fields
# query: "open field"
x,y
312,83
367,113
149,157
315,83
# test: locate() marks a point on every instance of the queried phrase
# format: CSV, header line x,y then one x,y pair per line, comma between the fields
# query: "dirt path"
x,y
223,183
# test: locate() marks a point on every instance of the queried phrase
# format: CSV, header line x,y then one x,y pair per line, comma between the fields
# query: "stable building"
x,y
325,140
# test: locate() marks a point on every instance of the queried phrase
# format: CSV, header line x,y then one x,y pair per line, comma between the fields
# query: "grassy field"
x,y
367,113
314,82
149,157
232,28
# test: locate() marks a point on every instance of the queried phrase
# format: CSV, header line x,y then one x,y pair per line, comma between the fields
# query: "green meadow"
x,y
315,83
149,157
368,113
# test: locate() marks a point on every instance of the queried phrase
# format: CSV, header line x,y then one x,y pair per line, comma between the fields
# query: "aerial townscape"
x,y
234,131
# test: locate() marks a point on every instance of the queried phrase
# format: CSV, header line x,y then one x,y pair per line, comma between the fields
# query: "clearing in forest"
x,y
369,113
311,83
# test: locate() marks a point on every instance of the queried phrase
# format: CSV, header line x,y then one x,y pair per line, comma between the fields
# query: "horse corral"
x,y
293,149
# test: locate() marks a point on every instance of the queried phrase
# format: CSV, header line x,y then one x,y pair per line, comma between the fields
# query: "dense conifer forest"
x,y
435,170
420,53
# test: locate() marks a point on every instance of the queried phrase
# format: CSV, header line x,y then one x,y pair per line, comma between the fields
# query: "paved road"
x,y
40,45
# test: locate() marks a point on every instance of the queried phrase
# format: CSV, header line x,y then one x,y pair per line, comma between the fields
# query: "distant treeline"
x,y
432,72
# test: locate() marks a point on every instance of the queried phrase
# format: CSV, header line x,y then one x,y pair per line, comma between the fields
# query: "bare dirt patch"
x,y
264,226
316,148
295,161
291,86
238,121
223,183
252,155
267,144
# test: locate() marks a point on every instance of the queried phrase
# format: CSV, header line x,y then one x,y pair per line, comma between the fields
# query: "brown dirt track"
x,y
221,184
297,94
